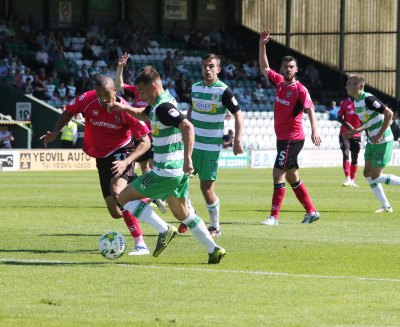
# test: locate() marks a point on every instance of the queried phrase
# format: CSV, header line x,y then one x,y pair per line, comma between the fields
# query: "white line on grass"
x,y
246,272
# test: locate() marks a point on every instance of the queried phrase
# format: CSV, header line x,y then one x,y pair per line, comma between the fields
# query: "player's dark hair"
x,y
288,58
147,76
212,56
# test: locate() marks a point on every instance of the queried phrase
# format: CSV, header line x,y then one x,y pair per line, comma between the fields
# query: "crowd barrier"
x,y
53,159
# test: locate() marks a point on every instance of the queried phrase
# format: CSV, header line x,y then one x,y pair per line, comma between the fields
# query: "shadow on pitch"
x,y
33,251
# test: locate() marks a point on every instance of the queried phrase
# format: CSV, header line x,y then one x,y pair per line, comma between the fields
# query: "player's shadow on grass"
x,y
33,251
52,206
54,263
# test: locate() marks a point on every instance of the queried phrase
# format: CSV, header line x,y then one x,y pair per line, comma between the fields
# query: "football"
x,y
112,245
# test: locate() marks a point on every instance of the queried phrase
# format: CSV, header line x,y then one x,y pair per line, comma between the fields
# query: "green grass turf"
x,y
340,271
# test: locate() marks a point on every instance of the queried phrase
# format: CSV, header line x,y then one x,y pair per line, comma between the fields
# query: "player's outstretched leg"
x,y
200,232
144,212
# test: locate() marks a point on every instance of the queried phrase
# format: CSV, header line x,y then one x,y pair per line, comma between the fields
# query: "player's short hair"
x,y
148,75
358,78
288,58
104,82
212,56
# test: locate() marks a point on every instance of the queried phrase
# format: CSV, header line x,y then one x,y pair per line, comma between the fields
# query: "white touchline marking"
x,y
245,272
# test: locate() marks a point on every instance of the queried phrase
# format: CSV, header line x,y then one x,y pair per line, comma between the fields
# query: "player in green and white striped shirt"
x,y
173,138
375,119
211,99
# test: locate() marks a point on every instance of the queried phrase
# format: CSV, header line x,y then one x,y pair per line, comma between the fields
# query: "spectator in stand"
x,y
171,89
4,68
42,57
62,92
50,88
87,52
215,40
62,66
42,75
94,68
239,92
169,64
5,137
196,40
254,71
183,90
312,76
179,62
27,74
17,80
39,88
71,89
27,87
259,95
348,117
333,110
230,70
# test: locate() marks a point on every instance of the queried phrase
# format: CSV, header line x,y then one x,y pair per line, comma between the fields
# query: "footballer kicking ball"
x,y
112,245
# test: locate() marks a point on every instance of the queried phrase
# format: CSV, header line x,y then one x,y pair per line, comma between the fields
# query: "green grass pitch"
x,y
341,271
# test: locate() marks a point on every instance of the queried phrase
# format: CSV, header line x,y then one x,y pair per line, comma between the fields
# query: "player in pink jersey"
x,y
291,100
348,117
108,138
146,160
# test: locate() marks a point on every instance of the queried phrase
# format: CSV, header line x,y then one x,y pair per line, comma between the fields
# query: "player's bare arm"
x,y
63,120
239,126
315,137
388,115
138,113
119,80
349,134
119,166
345,123
265,36
187,131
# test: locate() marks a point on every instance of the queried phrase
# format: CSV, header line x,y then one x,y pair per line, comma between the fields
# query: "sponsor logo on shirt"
x,y
204,106
215,97
282,101
104,124
155,130
140,104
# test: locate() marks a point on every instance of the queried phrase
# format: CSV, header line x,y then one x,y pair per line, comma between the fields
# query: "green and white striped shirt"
x,y
167,142
369,109
209,106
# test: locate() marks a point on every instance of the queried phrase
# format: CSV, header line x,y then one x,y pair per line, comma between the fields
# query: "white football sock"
x,y
199,231
213,213
379,192
388,179
145,213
